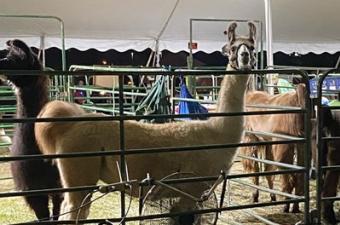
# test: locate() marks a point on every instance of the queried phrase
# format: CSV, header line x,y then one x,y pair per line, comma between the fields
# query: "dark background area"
x,y
135,58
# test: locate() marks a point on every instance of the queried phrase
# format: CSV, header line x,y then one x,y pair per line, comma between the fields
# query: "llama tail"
x,y
250,151
47,133
248,165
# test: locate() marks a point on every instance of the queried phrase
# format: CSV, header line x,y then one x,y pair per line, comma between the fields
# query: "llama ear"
x,y
225,50
231,32
252,32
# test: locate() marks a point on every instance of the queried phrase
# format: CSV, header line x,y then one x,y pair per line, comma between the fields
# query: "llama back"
x,y
47,133
291,124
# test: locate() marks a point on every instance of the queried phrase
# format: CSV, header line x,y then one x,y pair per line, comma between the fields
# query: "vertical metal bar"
x,y
122,145
65,79
269,37
62,35
261,47
191,80
307,148
42,49
319,144
269,32
190,61
63,53
173,94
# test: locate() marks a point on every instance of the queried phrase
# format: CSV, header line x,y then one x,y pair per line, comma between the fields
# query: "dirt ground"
x,y
13,210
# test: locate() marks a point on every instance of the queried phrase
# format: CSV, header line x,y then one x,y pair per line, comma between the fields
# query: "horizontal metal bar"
x,y
32,17
5,144
258,217
274,163
108,91
331,107
335,198
139,117
266,173
230,176
307,68
334,167
163,215
168,181
275,135
217,147
267,189
260,106
330,138
279,86
221,20
115,69
46,191
61,190
188,195
5,178
194,100
112,110
177,72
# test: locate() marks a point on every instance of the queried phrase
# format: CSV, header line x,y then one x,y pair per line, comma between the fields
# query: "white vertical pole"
x,y
42,49
269,39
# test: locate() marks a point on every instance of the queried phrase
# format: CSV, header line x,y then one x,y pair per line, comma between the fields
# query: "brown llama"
x,y
32,95
288,124
56,138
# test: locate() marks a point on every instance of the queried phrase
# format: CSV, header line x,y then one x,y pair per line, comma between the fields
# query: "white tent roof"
x,y
298,25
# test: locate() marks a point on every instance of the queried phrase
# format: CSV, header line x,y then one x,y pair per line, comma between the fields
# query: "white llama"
x,y
57,138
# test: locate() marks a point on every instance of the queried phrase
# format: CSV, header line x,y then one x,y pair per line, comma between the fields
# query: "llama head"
x,y
19,57
240,49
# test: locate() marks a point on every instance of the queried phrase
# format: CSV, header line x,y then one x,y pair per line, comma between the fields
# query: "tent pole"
x,y
191,80
162,31
42,49
269,38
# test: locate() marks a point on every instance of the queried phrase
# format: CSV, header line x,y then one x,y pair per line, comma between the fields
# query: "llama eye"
x,y
233,49
251,48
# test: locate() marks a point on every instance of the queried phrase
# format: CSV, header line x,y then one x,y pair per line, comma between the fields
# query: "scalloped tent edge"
x,y
137,25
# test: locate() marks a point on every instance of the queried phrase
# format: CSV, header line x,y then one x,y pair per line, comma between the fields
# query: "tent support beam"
x,y
269,39
42,50
157,55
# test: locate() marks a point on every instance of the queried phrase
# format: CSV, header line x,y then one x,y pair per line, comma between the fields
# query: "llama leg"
x,y
75,205
330,186
73,173
39,204
267,167
56,200
256,179
287,187
329,190
285,154
250,166
299,177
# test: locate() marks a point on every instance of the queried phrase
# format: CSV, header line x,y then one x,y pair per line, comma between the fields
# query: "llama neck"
x,y
231,96
31,99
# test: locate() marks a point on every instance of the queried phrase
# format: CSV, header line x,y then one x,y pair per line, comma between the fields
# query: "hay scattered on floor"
x,y
13,210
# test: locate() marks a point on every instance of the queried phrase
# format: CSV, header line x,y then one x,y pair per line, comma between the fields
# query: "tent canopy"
x,y
298,26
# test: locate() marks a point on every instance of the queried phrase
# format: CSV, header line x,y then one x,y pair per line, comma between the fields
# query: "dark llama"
x,y
32,95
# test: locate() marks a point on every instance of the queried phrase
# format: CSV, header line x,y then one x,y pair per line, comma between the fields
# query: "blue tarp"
x,y
329,84
185,107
